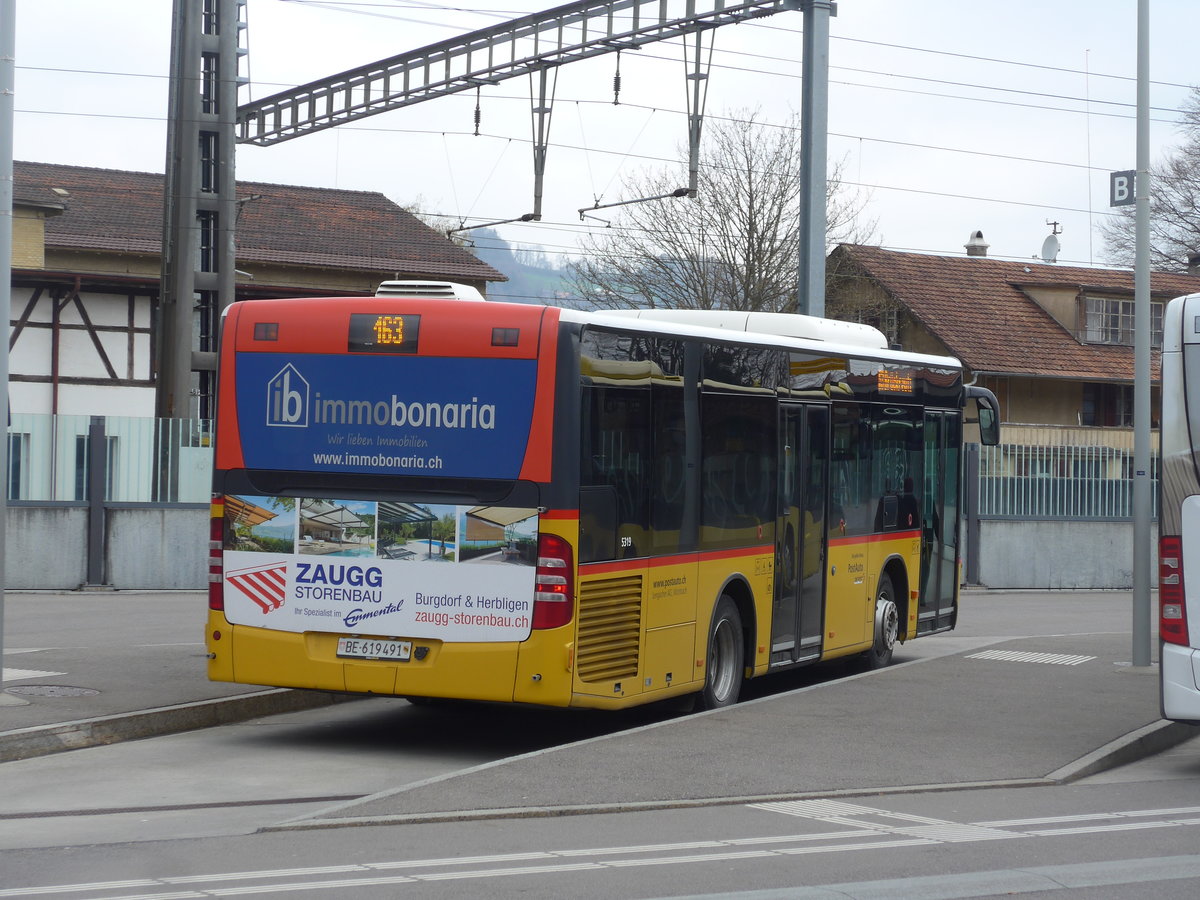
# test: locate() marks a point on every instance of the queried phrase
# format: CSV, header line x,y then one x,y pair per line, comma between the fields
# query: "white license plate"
x,y
365,648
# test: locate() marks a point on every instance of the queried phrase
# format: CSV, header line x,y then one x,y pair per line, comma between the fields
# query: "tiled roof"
x,y
975,306
281,224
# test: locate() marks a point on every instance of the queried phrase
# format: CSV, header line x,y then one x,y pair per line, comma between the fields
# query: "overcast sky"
x,y
950,115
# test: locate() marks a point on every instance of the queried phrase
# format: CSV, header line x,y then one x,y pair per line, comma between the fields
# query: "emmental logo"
x,y
287,399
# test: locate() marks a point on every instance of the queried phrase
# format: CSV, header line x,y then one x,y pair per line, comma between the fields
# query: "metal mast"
x,y
199,203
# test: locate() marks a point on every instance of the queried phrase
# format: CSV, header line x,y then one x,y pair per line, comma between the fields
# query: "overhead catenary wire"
x,y
498,219
760,25
877,87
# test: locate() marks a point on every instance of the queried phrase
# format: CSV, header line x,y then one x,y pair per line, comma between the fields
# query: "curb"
x,y
1145,741
41,740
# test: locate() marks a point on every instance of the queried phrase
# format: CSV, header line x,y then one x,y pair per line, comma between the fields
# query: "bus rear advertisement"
x,y
441,497
349,565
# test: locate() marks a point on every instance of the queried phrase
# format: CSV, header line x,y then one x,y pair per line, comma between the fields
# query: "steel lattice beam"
x,y
529,44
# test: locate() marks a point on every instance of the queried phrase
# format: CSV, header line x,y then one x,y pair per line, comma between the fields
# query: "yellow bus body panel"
x,y
640,634
854,571
636,632
469,671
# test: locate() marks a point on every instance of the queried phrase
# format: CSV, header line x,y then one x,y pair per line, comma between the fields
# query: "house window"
x,y
18,466
1107,405
1108,320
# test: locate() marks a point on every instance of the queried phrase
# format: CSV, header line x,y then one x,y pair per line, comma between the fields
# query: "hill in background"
x,y
532,276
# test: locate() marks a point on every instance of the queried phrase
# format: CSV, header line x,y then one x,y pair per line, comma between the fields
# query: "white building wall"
x,y
128,353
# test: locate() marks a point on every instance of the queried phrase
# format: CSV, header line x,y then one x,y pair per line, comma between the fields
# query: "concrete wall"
x,y
1016,554
145,548
45,548
157,549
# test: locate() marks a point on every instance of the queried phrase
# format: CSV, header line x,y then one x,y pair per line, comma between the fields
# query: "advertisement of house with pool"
x,y
382,569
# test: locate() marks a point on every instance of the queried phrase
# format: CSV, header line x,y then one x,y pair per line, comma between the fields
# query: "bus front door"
x,y
797,617
939,523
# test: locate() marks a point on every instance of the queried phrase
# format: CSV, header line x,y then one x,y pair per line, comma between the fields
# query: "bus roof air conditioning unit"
x,y
443,290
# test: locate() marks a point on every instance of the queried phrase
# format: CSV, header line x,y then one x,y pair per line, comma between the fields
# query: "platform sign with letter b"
x,y
1120,188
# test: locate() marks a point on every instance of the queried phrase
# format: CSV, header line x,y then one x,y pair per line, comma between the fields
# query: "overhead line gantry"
x,y
524,46
207,36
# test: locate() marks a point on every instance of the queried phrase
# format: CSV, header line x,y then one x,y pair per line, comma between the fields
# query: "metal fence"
x,y
1059,482
145,460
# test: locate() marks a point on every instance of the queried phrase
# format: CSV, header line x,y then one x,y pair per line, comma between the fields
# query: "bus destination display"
x,y
378,333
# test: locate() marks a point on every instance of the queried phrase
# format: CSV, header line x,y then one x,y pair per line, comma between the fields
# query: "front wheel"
x,y
726,654
887,626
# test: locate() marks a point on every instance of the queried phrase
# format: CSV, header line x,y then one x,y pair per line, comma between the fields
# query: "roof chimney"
x,y
1194,263
977,246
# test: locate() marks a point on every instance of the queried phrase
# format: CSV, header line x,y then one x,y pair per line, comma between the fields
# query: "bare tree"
x,y
1174,205
735,245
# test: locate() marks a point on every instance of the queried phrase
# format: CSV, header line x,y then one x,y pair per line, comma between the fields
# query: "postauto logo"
x,y
291,402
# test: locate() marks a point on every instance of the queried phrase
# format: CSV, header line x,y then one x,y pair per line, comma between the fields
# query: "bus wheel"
x,y
887,626
723,677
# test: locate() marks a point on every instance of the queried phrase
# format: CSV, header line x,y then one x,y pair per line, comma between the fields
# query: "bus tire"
x,y
726,655
887,626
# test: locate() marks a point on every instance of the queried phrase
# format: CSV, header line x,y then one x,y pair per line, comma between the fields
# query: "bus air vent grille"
x,y
610,628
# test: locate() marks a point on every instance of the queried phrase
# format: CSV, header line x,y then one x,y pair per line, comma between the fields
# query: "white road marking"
x,y
870,829
1054,659
22,674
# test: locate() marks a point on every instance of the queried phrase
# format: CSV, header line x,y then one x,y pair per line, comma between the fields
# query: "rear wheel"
x,y
726,655
887,626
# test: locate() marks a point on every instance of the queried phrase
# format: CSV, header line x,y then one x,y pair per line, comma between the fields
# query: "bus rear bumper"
x,y
1180,683
468,671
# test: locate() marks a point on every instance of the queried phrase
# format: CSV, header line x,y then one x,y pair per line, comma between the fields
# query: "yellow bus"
x,y
427,495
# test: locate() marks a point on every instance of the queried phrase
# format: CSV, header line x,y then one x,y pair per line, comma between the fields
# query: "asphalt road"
x,y
189,815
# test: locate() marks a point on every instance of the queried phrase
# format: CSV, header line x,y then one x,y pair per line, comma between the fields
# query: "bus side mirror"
x,y
989,414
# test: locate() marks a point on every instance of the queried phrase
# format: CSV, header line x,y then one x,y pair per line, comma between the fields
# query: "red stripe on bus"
x,y
658,562
874,538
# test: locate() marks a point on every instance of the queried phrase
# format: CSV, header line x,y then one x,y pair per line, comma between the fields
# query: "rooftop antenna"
x,y
1051,246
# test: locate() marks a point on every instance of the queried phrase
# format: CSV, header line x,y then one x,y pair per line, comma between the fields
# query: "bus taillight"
x,y
554,597
1172,621
216,542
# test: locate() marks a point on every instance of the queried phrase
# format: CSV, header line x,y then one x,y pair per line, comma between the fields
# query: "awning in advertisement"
x,y
242,512
324,513
500,515
404,512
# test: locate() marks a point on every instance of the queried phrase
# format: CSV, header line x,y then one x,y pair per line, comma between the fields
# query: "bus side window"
x,y
738,482
597,522
670,485
854,503
613,477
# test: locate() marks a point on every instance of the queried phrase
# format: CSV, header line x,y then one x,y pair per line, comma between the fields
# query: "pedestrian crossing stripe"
x,y
1054,659
22,674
